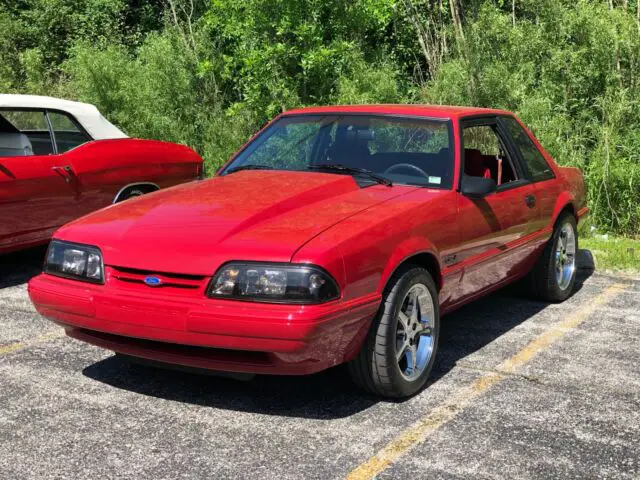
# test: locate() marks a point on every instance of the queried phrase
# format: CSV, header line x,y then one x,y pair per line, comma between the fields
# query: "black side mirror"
x,y
477,187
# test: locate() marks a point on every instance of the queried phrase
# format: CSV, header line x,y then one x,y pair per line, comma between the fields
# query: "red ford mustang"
x,y
60,160
337,234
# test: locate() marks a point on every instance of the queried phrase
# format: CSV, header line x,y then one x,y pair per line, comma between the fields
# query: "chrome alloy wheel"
x,y
414,333
565,256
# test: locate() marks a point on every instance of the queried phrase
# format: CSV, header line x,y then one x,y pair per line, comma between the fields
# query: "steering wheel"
x,y
406,165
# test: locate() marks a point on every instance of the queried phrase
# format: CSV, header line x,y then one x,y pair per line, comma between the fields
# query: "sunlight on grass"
x,y
613,253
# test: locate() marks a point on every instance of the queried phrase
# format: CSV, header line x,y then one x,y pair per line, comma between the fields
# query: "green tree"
x,y
208,73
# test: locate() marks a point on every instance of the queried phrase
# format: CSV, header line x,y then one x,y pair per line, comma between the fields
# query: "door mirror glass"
x,y
477,187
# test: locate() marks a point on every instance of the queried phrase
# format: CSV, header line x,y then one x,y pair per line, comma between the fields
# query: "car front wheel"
x,y
399,351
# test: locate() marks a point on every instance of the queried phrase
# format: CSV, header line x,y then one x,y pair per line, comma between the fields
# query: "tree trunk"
x,y
457,24
422,40
618,67
443,36
513,11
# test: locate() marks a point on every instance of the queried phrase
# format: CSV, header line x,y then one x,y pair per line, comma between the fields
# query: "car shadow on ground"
x,y
329,394
18,268
479,323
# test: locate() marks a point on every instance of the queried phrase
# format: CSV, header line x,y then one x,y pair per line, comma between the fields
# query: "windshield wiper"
x,y
352,171
248,167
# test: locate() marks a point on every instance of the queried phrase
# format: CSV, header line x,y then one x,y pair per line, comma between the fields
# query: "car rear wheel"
x,y
398,354
554,276
134,191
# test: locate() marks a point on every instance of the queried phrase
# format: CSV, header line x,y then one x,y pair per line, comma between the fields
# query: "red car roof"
x,y
434,111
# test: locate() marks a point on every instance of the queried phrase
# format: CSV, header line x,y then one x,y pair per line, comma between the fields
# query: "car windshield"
x,y
411,151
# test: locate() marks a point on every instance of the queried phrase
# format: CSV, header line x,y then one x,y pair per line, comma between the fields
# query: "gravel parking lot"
x,y
520,389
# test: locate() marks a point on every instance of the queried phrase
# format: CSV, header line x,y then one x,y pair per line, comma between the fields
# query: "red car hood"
x,y
252,215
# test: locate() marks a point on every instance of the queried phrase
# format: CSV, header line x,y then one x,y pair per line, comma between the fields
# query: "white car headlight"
x,y
72,260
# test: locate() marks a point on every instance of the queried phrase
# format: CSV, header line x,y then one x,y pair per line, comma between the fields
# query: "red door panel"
x,y
492,230
34,199
546,194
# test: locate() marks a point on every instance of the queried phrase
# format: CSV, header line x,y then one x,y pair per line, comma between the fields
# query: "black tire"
x,y
376,369
542,280
135,192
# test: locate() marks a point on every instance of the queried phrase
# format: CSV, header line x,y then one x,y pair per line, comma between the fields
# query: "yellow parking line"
x,y
551,335
444,413
17,346
13,347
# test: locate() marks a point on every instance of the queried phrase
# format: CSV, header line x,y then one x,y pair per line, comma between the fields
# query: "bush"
x,y
209,73
570,71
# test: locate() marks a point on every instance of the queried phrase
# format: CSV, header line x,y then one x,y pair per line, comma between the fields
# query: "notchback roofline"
x,y
418,110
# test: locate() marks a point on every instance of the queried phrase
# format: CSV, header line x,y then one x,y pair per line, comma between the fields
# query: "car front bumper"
x,y
199,332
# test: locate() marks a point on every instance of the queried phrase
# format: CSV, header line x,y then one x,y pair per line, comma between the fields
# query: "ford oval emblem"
x,y
153,281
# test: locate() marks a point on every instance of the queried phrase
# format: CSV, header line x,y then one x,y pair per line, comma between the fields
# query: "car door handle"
x,y
7,172
65,172
530,200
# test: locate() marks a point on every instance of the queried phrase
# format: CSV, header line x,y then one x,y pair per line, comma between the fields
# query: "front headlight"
x,y
278,283
72,260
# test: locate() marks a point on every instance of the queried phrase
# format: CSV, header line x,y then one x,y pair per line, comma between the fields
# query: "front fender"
x,y
411,247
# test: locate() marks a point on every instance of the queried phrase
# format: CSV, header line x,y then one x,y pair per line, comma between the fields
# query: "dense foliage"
x,y
209,72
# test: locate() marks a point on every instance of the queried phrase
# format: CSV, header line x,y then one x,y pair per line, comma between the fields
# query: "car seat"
x,y
350,147
15,145
474,164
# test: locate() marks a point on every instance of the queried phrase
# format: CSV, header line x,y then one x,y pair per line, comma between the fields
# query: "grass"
x,y
613,253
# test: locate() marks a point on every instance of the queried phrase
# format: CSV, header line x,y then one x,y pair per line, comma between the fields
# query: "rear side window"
x,y
534,162
67,133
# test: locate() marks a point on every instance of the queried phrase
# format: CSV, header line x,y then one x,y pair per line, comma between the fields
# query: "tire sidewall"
x,y
400,384
558,292
131,193
136,192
